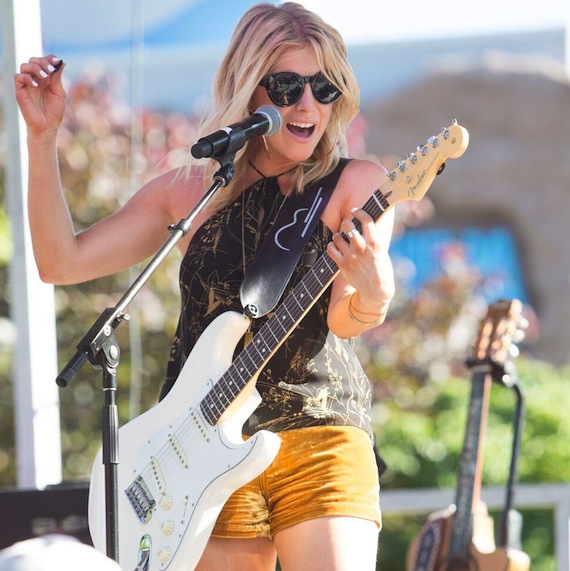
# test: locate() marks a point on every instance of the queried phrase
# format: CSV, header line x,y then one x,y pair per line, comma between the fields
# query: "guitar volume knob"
x,y
167,527
166,503
164,555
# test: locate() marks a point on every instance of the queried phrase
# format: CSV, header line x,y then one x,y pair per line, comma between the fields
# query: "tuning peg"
x,y
433,141
519,335
402,166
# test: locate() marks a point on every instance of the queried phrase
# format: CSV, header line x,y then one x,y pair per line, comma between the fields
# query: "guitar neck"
x,y
410,180
279,326
468,494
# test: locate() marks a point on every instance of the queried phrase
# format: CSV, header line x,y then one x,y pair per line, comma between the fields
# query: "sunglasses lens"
x,y
323,90
286,88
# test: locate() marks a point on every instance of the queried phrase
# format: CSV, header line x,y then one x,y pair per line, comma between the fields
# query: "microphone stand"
x,y
99,346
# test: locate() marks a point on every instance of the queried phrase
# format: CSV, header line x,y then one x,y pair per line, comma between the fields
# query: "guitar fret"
x,y
380,205
237,371
256,344
229,382
329,262
273,333
280,319
317,276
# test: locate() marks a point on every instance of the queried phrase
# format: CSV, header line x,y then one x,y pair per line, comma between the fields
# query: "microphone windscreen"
x,y
275,119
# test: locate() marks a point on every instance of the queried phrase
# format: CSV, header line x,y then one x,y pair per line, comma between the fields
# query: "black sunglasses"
x,y
286,88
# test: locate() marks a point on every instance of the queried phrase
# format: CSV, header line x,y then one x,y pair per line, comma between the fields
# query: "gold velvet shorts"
x,y
319,471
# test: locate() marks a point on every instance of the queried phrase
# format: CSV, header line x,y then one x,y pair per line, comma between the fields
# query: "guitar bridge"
x,y
141,499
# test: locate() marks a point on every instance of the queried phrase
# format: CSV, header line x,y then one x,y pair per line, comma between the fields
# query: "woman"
x,y
317,506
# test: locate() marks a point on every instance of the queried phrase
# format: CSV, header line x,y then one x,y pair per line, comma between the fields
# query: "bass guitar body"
x,y
430,550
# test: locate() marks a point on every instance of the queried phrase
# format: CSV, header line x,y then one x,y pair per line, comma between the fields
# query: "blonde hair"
x,y
261,36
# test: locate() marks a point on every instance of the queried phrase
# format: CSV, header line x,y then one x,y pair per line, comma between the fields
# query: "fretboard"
x,y
469,474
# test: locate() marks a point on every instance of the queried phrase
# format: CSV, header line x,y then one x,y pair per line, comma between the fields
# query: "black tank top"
x,y
314,378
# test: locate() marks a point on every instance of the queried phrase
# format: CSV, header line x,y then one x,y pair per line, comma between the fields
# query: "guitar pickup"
x,y
179,451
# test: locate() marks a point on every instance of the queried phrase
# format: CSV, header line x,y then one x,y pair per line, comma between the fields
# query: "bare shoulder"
x,y
366,169
360,178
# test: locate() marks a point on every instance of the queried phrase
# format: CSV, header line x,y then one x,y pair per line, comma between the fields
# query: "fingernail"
x,y
43,73
55,60
34,83
51,68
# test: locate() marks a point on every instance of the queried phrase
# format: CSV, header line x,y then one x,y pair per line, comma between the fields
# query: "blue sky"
x,y
110,24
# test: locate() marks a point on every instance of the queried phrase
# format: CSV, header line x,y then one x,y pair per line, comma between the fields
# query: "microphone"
x,y
265,121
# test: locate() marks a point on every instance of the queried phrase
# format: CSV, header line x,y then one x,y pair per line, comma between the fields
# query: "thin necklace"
x,y
263,176
264,179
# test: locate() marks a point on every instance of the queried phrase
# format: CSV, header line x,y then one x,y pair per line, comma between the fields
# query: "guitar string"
x,y
163,452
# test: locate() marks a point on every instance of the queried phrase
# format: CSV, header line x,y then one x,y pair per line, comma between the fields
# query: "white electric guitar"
x,y
182,459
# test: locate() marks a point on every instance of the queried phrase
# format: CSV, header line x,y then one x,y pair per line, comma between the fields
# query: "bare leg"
x,y
328,544
222,554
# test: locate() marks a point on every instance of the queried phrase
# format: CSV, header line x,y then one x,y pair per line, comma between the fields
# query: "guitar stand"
x,y
99,346
507,537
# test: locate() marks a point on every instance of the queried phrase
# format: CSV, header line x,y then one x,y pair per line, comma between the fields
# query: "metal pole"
x,y
36,399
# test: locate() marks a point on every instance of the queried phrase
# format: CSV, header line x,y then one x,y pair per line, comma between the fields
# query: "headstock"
x,y
412,177
500,329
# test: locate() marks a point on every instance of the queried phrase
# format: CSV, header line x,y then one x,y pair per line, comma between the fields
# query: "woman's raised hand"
x,y
40,94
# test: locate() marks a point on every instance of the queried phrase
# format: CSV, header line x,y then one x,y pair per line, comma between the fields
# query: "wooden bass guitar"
x,y
461,537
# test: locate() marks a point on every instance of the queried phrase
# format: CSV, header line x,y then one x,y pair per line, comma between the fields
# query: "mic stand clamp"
x,y
99,346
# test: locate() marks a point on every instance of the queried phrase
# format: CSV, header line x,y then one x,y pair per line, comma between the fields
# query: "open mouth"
x,y
304,130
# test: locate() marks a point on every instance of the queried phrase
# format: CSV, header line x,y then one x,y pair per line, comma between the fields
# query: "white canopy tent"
x,y
36,403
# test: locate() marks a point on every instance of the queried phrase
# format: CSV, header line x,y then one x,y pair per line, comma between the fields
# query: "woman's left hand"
x,y
364,261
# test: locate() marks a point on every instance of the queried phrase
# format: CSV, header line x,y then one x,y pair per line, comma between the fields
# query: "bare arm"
x,y
362,292
113,244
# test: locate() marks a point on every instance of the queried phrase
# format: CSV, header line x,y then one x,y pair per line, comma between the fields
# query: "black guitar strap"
x,y
281,248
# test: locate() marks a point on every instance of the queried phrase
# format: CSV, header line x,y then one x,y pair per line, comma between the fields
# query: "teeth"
x,y
302,125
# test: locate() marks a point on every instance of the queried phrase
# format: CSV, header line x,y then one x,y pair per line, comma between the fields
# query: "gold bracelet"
x,y
359,321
